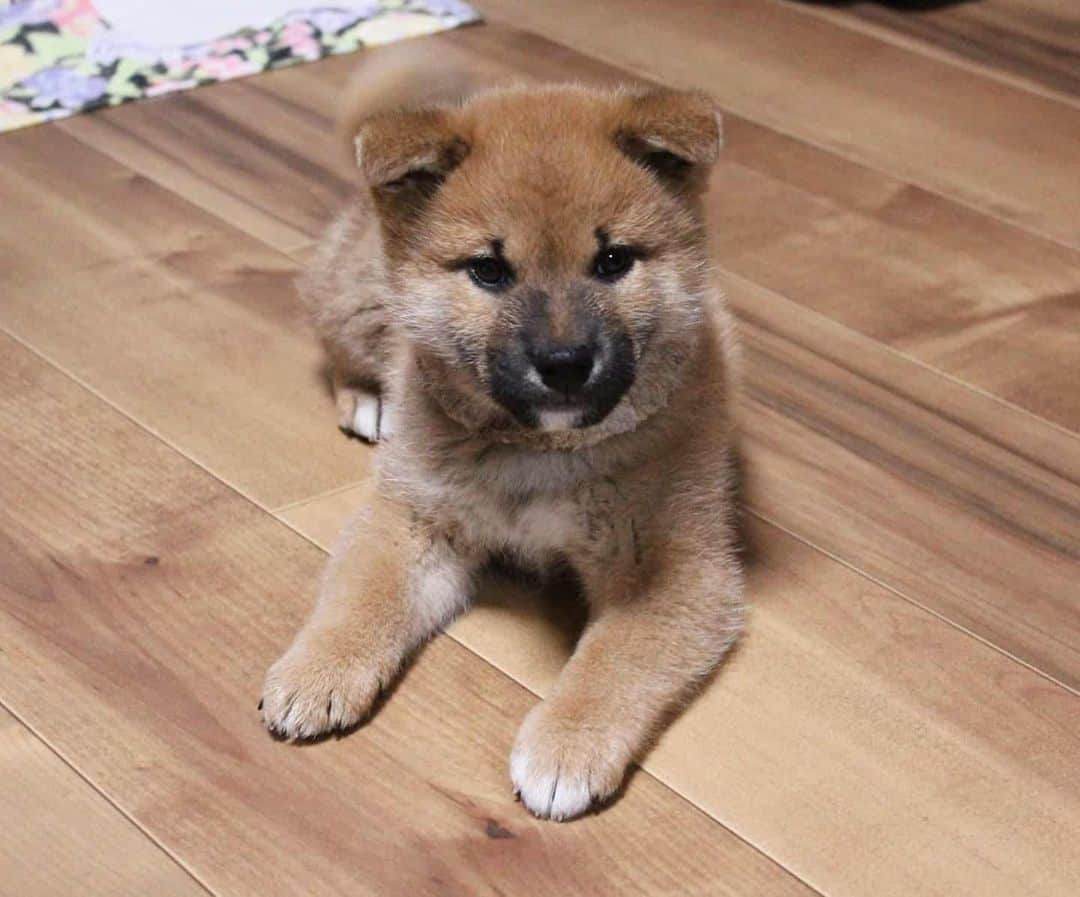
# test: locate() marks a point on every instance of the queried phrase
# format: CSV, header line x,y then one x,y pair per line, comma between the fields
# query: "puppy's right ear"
x,y
404,156
675,134
397,117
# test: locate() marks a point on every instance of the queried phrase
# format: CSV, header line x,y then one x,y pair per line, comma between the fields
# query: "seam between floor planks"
x,y
959,627
112,804
329,493
886,34
878,345
297,242
694,806
643,70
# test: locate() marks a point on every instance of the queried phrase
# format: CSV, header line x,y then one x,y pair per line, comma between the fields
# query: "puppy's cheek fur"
x,y
445,319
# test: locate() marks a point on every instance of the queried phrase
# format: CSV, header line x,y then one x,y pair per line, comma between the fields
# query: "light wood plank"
x,y
1031,42
962,291
189,325
996,147
60,836
143,601
235,151
965,506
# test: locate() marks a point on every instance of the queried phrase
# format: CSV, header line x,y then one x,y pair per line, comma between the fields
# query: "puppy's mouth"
x,y
562,385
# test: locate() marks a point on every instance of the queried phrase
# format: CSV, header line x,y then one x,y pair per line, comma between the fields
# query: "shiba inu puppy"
x,y
519,305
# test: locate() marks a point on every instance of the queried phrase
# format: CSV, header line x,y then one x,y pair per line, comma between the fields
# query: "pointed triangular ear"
x,y
676,134
405,155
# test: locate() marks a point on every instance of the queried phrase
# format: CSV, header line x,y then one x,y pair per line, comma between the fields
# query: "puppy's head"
x,y
544,248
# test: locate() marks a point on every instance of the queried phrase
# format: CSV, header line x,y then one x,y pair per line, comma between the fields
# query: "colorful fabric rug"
x,y
60,57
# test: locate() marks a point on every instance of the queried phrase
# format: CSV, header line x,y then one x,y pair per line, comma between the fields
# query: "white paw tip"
x,y
549,796
365,422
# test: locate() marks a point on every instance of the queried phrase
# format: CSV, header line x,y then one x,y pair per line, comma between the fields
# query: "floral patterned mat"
x,y
60,57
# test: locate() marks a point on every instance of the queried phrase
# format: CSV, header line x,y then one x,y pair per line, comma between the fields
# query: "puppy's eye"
x,y
489,272
612,262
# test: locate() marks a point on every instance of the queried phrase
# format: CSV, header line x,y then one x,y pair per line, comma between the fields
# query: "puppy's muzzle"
x,y
562,384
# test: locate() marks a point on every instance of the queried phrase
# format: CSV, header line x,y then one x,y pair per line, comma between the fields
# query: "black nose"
x,y
564,369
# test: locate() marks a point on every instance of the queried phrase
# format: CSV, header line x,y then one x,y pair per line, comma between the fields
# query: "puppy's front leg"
x,y
641,654
391,583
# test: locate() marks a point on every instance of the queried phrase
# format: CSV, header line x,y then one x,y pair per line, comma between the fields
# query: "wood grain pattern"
x,y
1034,41
998,148
236,151
846,716
187,324
62,837
154,597
973,296
965,506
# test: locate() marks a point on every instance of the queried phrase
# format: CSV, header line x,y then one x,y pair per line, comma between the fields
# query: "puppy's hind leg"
x,y
361,412
362,352
391,584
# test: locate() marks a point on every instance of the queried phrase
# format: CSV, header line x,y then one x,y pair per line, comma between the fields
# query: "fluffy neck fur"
x,y
443,436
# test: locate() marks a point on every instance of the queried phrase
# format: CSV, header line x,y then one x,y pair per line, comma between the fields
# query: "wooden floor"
x,y
896,220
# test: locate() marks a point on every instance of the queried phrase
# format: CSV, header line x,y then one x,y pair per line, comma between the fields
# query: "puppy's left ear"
x,y
675,134
404,157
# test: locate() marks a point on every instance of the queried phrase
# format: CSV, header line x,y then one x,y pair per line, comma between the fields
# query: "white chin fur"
x,y
551,421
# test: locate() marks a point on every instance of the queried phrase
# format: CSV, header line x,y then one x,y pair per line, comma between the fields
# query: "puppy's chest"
x,y
591,520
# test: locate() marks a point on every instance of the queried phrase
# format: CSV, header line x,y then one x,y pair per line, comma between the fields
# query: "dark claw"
x,y
260,705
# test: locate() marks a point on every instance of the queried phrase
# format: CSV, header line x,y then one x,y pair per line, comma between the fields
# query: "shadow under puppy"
x,y
519,303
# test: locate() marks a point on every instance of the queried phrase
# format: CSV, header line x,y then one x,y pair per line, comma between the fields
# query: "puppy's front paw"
x,y
314,689
560,767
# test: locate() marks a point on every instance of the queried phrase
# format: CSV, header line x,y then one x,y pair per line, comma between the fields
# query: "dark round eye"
x,y
489,272
613,262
